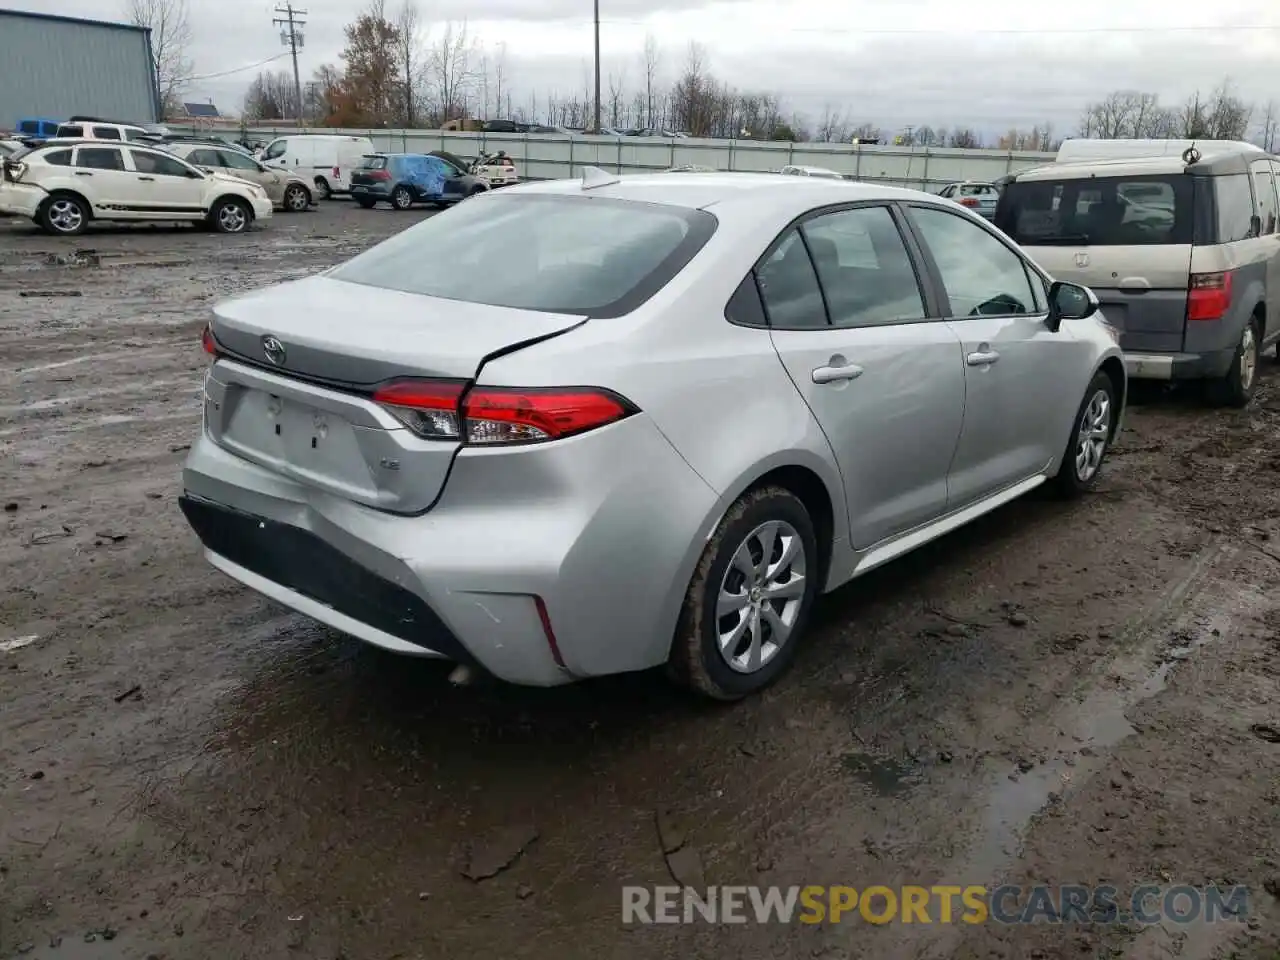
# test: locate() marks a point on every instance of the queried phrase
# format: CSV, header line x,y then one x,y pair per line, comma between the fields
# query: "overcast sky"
x,y
987,63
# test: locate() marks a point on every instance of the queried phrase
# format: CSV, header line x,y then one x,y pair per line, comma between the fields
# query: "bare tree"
x,y
652,60
1267,126
452,68
408,52
170,41
833,127
616,86
500,77
483,76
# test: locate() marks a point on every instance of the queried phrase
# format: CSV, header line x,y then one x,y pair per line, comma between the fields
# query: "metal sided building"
x,y
56,67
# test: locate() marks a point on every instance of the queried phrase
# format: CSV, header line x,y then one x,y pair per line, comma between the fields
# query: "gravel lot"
x,y
1058,694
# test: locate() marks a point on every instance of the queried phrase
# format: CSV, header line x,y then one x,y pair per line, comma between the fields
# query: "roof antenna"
x,y
593,177
1191,154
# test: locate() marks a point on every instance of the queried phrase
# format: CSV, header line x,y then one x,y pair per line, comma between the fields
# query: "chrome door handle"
x,y
981,358
81,173
146,178
849,371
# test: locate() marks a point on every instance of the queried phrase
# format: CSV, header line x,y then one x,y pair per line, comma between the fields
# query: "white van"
x,y
1079,149
327,159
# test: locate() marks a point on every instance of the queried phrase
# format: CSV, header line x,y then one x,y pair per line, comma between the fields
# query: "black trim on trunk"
x,y
302,562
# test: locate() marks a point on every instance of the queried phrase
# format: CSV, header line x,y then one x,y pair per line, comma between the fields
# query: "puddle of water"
x,y
75,948
884,775
1097,722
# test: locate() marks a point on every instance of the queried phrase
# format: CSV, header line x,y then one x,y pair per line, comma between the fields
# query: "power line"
x,y
1013,31
250,66
291,37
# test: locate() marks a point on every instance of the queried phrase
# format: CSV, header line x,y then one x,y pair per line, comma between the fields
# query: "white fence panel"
x,y
551,156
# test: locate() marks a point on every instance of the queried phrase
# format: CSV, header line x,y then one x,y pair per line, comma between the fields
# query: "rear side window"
x,y
70,130
106,133
1264,190
789,287
1234,202
1099,211
57,158
865,270
373,163
100,158
592,256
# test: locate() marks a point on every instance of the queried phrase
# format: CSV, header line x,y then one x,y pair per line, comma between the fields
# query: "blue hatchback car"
x,y
403,179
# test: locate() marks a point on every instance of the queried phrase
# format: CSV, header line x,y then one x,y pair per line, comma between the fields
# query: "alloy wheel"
x,y
1093,434
66,216
760,596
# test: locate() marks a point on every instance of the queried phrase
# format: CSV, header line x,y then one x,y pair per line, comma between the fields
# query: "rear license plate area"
x,y
297,438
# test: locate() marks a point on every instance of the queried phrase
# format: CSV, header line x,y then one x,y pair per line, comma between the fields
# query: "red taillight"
x,y
1208,295
430,408
968,202
206,340
379,175
336,174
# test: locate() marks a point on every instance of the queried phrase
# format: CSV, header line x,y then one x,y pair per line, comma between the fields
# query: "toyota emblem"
x,y
1082,259
274,350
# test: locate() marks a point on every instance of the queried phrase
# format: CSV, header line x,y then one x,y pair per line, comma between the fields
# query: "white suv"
x,y
82,129
62,185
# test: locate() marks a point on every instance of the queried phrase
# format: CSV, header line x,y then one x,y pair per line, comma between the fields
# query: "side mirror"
x,y
1069,301
207,169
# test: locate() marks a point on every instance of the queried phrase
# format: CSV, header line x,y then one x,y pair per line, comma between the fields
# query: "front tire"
x,y
64,215
1091,435
296,198
230,215
401,198
1237,387
750,598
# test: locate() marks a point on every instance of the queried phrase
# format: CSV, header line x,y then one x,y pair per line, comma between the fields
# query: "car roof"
x,y
702,190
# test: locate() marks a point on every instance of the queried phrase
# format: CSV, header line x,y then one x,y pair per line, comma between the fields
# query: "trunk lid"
x,y
293,391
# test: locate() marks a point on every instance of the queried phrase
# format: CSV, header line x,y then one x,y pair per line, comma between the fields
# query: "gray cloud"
x,y
988,80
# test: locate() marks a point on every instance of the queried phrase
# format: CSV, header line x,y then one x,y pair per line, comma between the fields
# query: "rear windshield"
x,y
1099,211
373,163
592,256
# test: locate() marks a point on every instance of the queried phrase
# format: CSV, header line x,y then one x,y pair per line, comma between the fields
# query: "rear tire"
x,y
1091,433
725,645
64,215
1236,388
401,198
322,189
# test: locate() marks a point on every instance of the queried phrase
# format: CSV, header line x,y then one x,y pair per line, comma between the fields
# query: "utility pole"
x,y
597,127
291,36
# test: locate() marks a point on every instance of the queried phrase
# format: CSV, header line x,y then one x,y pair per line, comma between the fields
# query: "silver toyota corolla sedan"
x,y
583,427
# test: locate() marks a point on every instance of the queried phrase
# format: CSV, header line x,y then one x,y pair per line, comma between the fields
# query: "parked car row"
x,y
64,184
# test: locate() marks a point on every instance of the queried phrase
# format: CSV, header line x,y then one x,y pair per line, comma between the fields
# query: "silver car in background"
x,y
685,406
976,195
1183,251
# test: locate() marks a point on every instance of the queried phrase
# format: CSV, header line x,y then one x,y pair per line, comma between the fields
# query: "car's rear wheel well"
x,y
812,492
1113,367
79,197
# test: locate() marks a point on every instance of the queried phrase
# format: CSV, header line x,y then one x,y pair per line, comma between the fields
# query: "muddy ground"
x,y
1060,694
